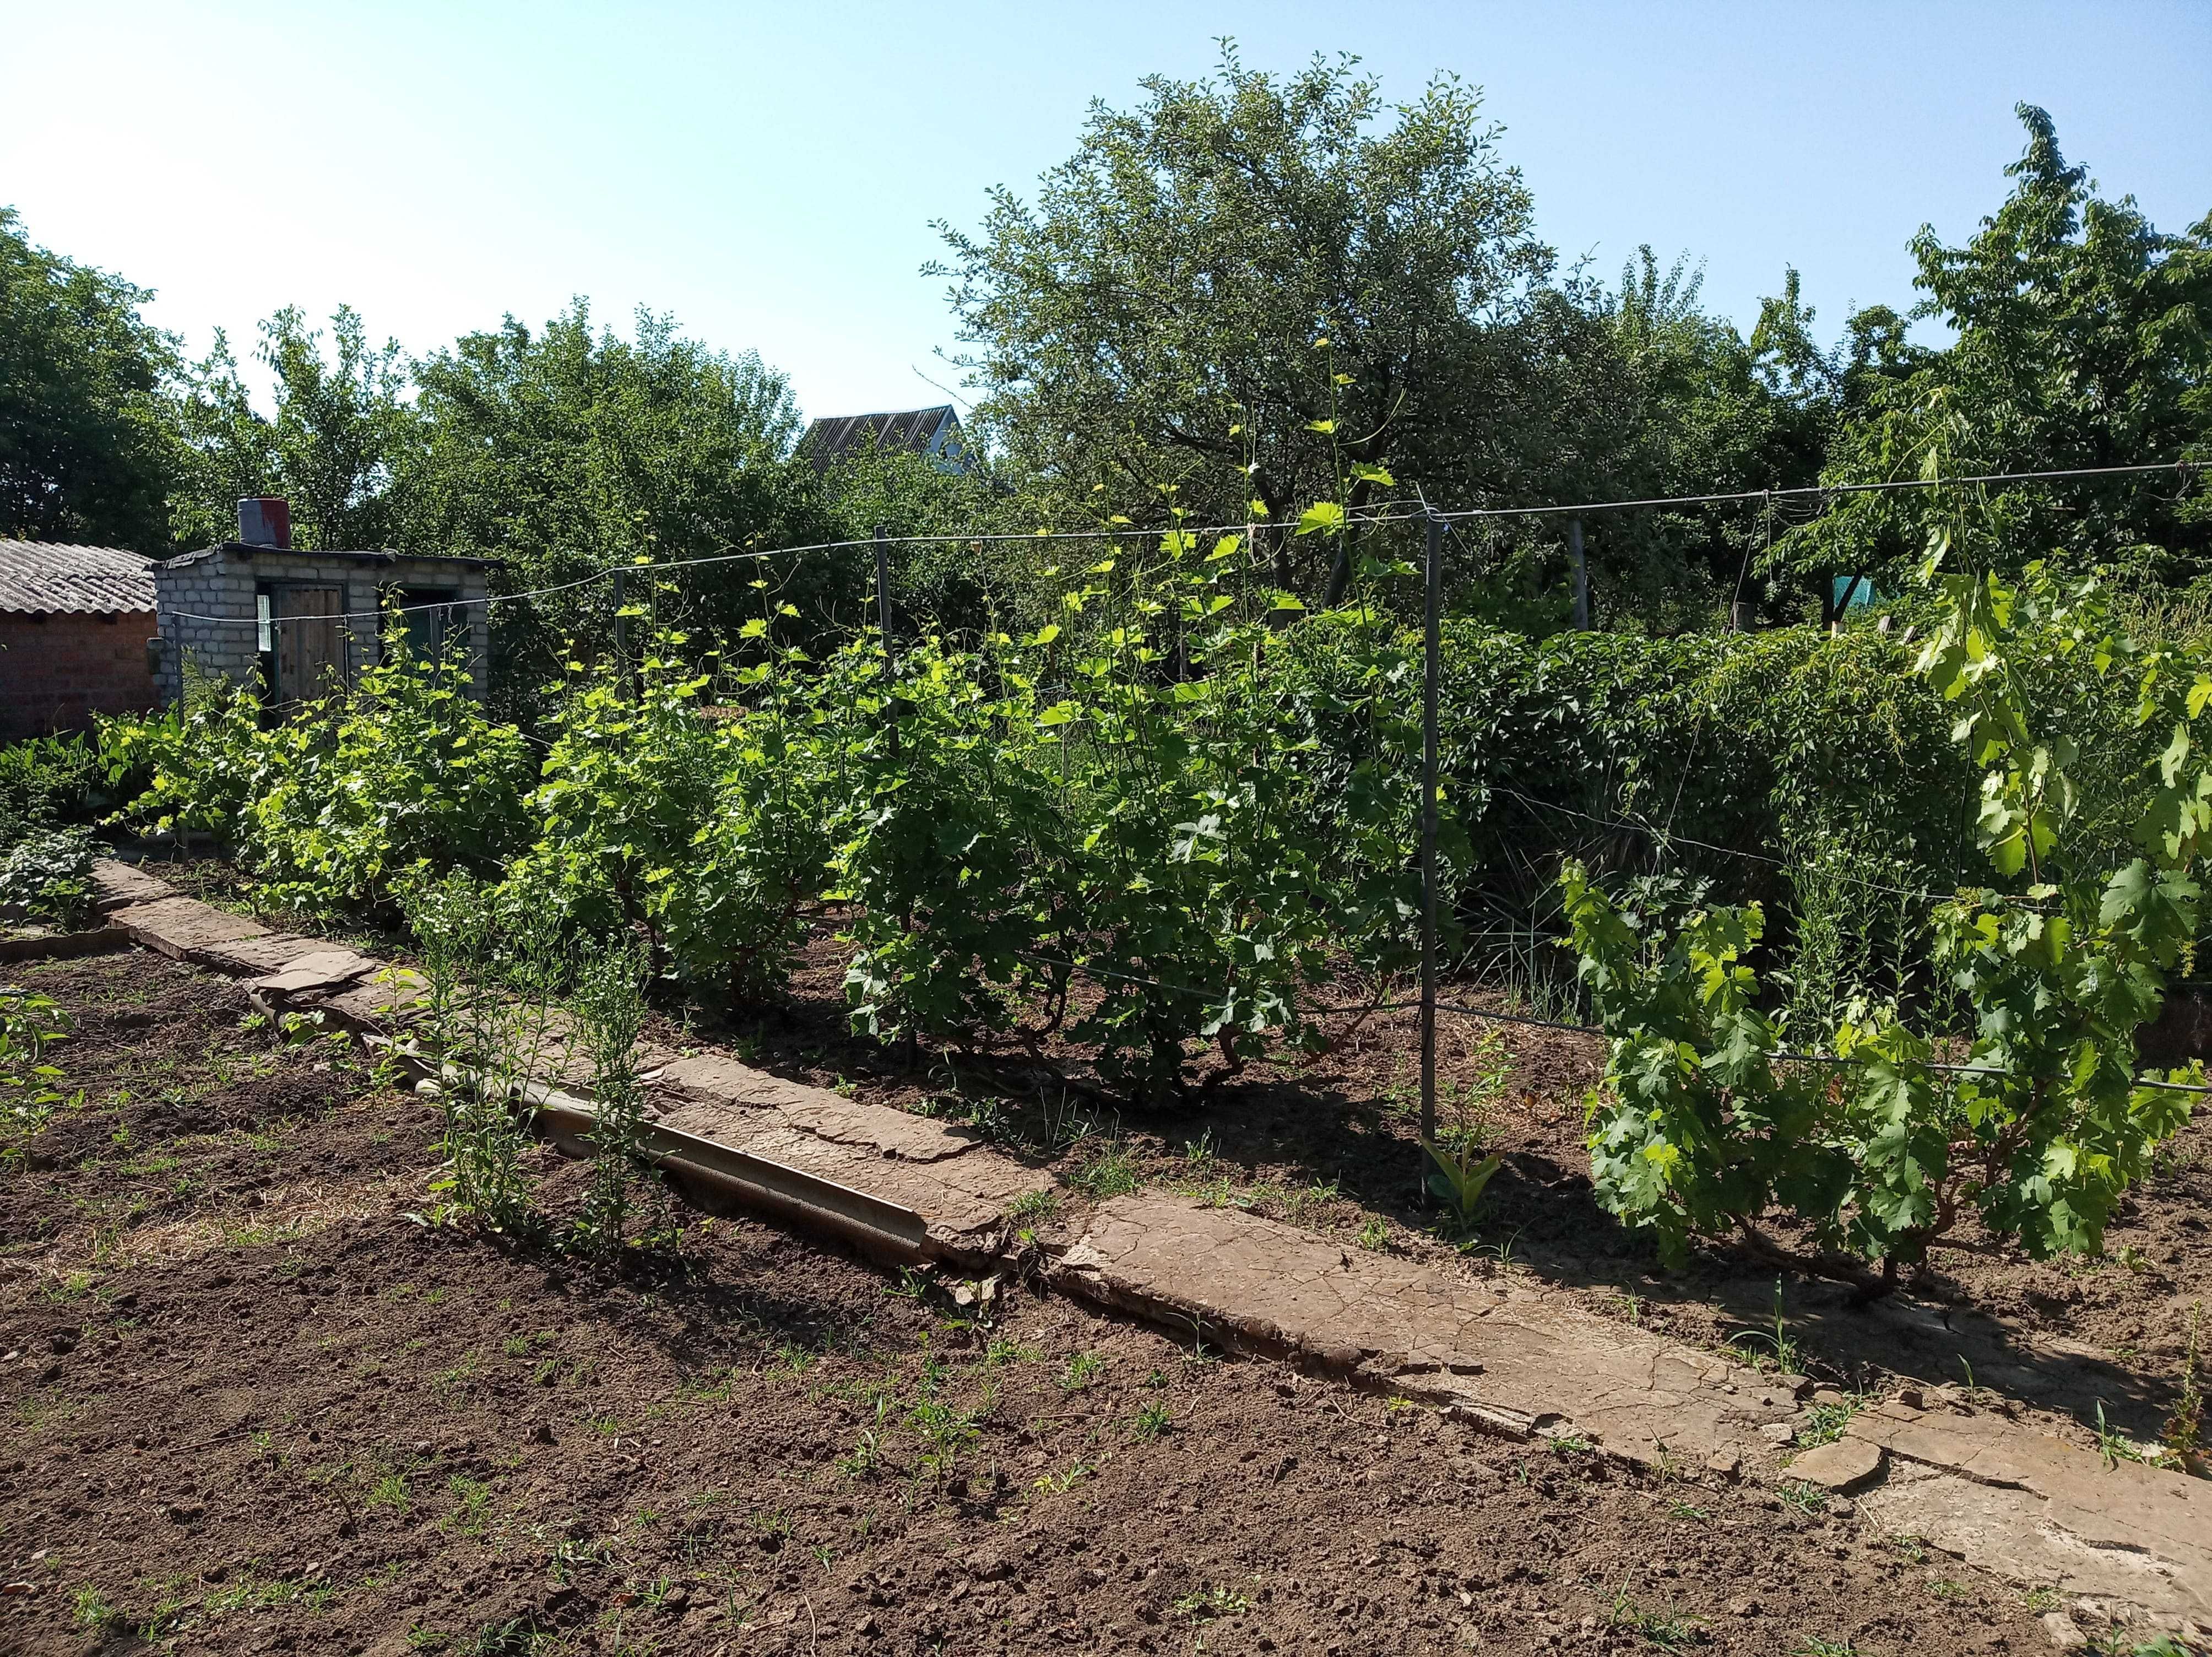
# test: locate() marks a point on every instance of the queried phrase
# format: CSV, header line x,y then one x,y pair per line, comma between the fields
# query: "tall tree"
x,y
567,450
2082,338
342,429
1676,402
85,450
1248,283
951,585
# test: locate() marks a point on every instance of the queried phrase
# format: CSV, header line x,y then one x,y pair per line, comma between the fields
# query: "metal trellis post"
x,y
1581,575
883,625
622,630
1431,652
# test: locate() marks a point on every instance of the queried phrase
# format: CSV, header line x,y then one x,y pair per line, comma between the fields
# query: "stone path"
x,y
1501,1351
1526,1363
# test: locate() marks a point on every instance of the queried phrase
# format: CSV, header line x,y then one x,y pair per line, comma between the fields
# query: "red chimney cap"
x,y
264,520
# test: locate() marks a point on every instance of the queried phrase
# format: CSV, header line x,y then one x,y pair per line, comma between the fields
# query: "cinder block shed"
x,y
296,624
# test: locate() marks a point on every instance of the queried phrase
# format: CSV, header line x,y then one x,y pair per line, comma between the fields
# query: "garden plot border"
x,y
1508,1358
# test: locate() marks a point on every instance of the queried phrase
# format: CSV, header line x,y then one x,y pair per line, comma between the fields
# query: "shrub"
x,y
710,830
195,768
609,1017
47,876
30,1023
332,807
47,782
1704,1123
951,847
1202,863
406,772
491,969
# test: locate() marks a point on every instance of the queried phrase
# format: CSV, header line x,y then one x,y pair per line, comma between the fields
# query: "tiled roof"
x,y
918,429
51,577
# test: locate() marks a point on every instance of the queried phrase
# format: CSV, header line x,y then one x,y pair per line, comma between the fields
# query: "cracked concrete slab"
x,y
116,884
1493,1347
318,972
384,1001
960,1188
720,1082
248,958
2000,1493
1980,1485
183,927
1839,1465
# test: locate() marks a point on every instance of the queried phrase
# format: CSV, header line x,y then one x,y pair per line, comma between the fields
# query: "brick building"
x,y
75,623
296,624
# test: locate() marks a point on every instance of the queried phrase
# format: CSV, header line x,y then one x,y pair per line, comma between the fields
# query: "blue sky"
x,y
768,173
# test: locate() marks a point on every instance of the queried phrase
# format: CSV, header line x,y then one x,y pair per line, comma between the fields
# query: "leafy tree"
x,y
950,584
1280,289
567,450
85,451
335,447
1240,286
2084,338
1676,402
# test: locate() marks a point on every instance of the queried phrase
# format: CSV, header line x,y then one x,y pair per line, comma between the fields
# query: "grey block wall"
x,y
206,619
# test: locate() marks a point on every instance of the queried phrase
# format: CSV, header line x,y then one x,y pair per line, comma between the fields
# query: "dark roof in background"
x,y
919,430
47,578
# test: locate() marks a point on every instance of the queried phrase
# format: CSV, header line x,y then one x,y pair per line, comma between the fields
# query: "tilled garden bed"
x,y
257,1403
1330,1142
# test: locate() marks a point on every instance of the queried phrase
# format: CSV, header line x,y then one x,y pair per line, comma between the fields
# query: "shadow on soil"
x,y
1343,1127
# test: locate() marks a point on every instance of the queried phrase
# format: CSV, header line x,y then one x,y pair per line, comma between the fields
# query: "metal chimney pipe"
x,y
265,520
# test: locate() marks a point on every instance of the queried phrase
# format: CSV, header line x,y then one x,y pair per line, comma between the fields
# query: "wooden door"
x,y
311,659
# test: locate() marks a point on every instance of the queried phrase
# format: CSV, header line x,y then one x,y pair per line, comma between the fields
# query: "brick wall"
x,y
56,670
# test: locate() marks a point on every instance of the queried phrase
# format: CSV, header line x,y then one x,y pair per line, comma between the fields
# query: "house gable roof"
x,y
925,431
47,578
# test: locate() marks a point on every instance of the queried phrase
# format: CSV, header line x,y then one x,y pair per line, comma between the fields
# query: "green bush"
x,y
951,847
492,969
48,782
706,824
330,808
1164,821
407,772
47,876
1702,1124
192,769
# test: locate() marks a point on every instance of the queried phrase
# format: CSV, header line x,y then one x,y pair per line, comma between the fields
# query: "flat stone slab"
x,y
182,926
116,884
1526,1363
318,972
383,1001
2035,1507
252,958
1842,1465
64,946
960,1187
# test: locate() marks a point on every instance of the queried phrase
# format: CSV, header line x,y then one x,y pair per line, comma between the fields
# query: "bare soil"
x,y
254,1405
1331,1143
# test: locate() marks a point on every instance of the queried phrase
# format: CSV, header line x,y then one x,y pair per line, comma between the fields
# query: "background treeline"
x,y
1239,296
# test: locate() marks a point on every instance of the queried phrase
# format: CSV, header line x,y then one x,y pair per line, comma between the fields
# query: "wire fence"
x,y
1390,512
1436,524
